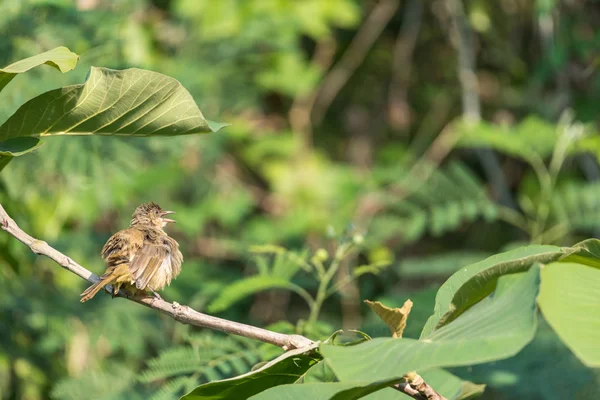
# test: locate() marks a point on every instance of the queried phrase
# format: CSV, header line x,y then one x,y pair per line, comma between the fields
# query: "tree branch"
x,y
417,388
181,313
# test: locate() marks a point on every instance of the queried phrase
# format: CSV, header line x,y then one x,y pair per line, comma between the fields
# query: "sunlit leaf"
x,y
131,102
60,58
570,301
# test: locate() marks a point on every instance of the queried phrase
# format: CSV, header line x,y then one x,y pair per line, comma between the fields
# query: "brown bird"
x,y
142,257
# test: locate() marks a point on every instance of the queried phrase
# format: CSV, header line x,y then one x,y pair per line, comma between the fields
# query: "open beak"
x,y
167,213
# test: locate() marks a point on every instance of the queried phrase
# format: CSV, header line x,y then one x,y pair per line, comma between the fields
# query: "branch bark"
x,y
415,386
181,313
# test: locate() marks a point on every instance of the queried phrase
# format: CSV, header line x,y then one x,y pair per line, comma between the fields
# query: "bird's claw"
x,y
155,294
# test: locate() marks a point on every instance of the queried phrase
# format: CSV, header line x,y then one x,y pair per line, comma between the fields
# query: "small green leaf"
x,y
570,301
394,318
285,369
60,58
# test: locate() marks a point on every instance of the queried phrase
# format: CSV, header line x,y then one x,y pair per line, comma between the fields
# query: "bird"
x,y
141,257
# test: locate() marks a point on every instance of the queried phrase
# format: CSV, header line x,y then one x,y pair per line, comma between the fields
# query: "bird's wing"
x,y
146,263
122,246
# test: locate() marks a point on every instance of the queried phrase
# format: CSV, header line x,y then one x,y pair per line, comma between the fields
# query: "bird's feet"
x,y
156,295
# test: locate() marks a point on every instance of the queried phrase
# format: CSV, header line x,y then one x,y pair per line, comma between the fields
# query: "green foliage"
x,y
284,267
276,176
60,58
206,357
441,204
132,102
496,328
569,303
531,139
484,272
445,383
105,385
576,206
287,368
437,265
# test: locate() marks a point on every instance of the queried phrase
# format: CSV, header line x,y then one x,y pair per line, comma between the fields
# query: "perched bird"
x,y
142,257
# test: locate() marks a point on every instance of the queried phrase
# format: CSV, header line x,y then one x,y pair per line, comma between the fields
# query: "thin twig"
x,y
181,313
355,54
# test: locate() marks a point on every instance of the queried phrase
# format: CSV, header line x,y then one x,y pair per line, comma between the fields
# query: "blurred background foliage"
x,y
343,113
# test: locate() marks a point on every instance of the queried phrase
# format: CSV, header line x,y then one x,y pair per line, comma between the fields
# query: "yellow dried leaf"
x,y
395,318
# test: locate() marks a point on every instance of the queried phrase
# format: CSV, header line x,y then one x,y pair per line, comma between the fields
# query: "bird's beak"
x,y
167,213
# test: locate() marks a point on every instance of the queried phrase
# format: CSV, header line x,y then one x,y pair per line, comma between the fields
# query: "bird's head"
x,y
150,214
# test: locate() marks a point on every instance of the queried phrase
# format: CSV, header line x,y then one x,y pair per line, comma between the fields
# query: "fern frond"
x,y
208,356
104,384
451,197
175,388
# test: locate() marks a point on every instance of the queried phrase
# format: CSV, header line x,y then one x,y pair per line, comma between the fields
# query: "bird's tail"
x,y
95,288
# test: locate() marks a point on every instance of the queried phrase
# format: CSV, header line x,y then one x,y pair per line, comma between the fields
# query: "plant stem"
x,y
513,217
550,177
324,282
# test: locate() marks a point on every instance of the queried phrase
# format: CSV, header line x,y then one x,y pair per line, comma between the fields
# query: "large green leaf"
x,y
248,286
60,58
472,283
326,391
287,368
570,301
445,383
131,102
497,327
